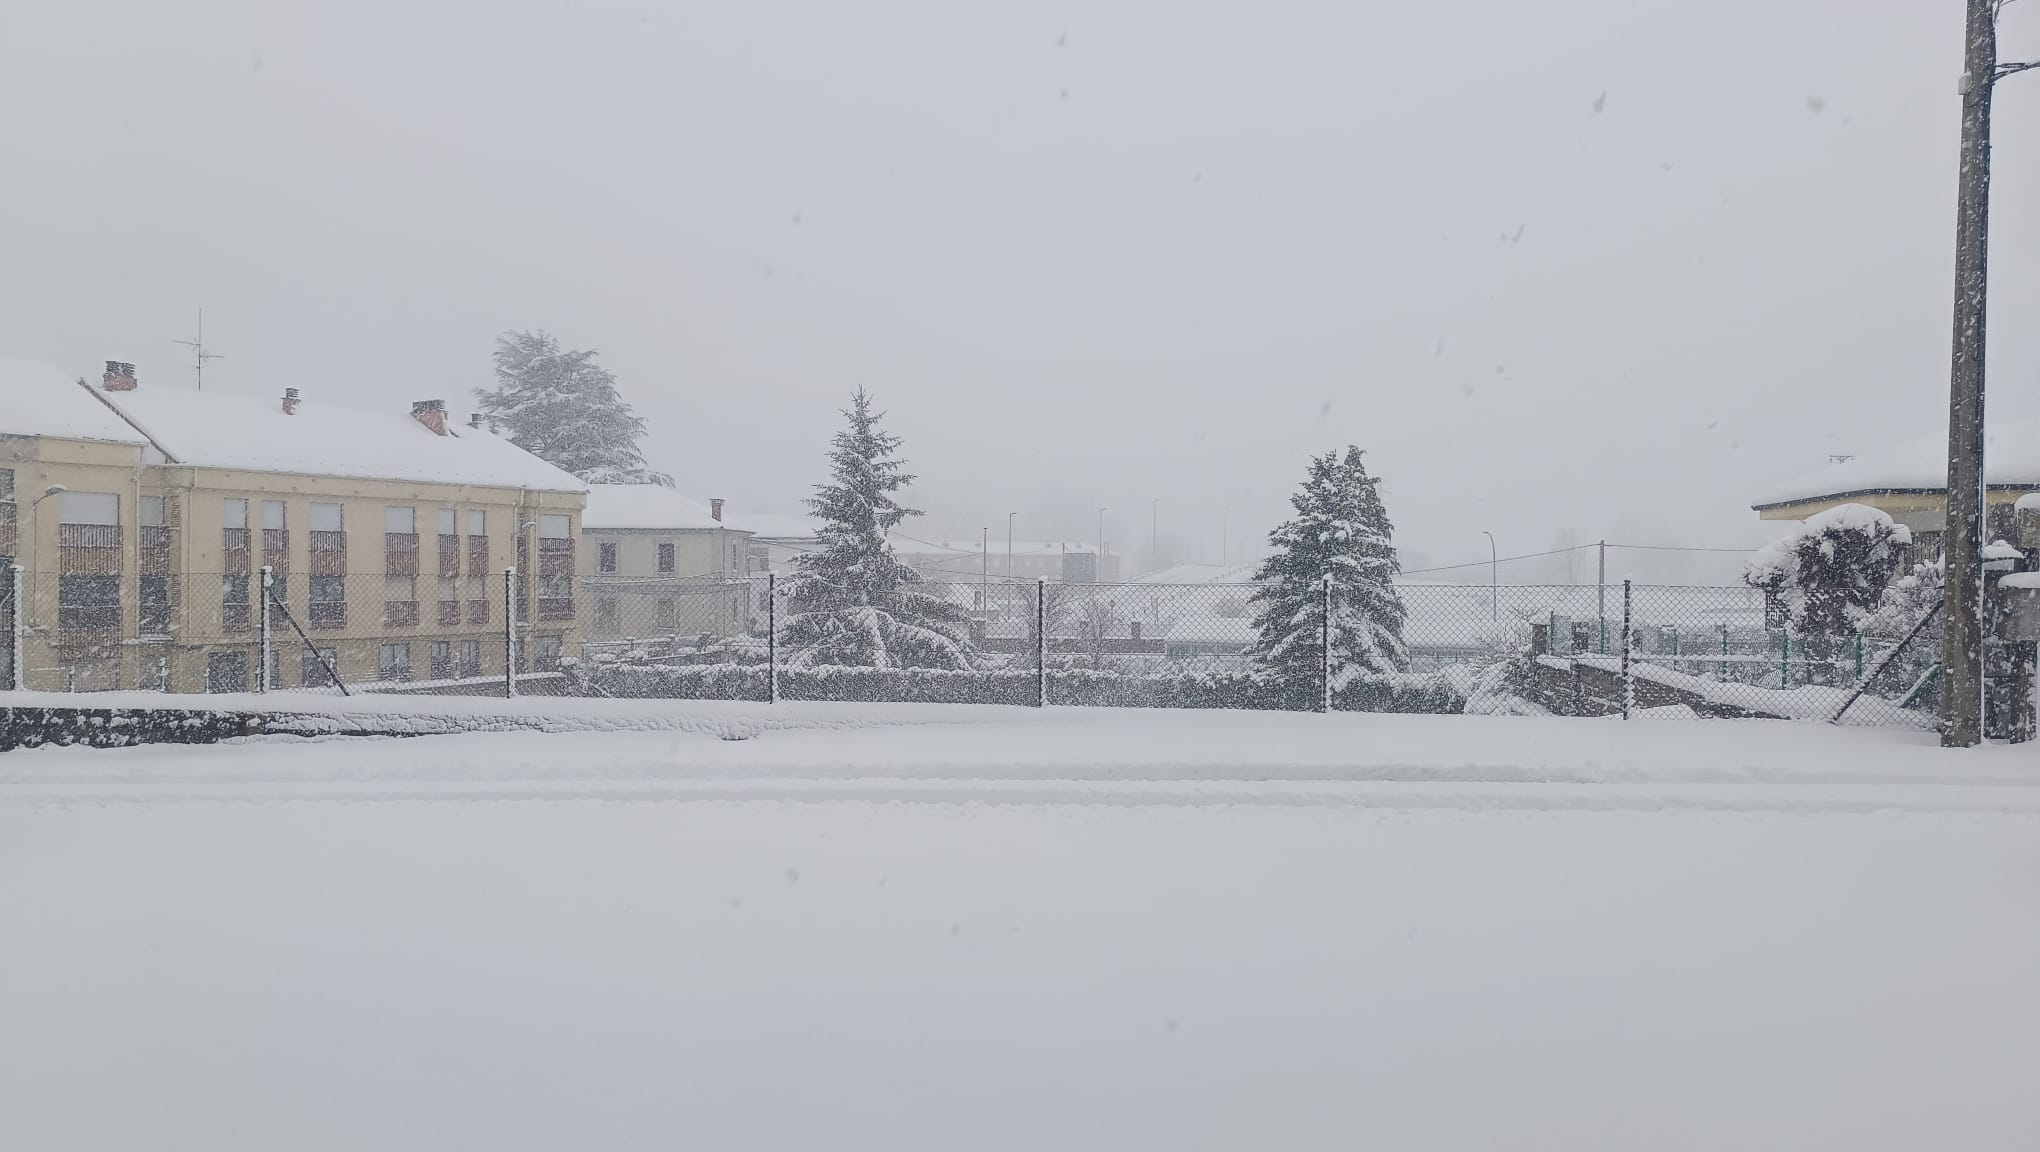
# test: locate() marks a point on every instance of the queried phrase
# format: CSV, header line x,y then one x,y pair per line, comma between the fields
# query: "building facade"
x,y
386,536
656,566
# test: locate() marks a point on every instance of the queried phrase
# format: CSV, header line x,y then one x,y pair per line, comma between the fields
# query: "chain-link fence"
x,y
1566,649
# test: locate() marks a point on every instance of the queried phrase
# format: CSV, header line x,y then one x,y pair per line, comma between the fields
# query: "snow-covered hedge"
x,y
1830,574
1398,692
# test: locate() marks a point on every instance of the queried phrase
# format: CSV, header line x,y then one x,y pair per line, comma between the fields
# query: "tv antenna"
x,y
197,347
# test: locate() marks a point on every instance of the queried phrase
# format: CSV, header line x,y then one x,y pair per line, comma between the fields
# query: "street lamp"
x,y
1494,578
1009,544
1155,534
52,490
1101,544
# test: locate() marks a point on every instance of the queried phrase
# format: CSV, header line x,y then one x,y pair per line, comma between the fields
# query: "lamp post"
x,y
1494,578
52,490
1155,534
1100,573
1009,544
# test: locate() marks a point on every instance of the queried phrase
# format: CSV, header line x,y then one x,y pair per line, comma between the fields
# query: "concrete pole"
x,y
510,632
18,669
1962,637
266,646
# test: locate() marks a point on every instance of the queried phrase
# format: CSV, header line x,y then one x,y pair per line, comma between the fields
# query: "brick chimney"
x,y
290,400
430,413
715,509
119,377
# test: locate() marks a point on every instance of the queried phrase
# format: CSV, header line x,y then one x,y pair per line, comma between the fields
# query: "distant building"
x,y
1028,560
655,563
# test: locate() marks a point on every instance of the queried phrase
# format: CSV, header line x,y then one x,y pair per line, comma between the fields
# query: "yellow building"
x,y
655,564
386,533
1909,482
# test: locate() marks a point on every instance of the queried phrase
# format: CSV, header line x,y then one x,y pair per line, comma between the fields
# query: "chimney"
x,y
715,509
119,377
474,419
432,414
290,401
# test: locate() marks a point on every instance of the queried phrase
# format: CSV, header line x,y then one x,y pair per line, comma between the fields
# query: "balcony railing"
x,y
234,616
400,613
88,535
449,612
329,614
556,608
327,541
76,618
478,611
275,541
555,544
234,539
155,537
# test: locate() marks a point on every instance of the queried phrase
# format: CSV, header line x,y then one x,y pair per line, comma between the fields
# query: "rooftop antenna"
x,y
198,350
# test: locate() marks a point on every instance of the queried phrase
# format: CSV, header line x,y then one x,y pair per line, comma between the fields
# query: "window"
x,y
329,601
400,519
88,603
470,658
226,671
234,513
312,665
477,522
6,485
666,615
272,515
234,601
152,512
155,606
546,652
605,558
553,526
449,522
400,601
393,662
607,619
558,586
665,557
325,518
442,659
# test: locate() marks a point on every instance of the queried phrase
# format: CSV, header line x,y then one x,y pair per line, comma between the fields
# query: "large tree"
x,y
560,405
851,601
1830,574
1341,529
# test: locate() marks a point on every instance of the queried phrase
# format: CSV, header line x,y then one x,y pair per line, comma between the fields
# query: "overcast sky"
x,y
1601,266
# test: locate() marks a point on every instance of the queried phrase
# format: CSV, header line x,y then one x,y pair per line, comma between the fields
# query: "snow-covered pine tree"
x,y
1831,573
1341,527
851,601
560,405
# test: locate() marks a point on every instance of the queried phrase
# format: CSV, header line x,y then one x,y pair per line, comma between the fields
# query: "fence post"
x,y
1785,658
18,671
1722,672
1041,642
509,631
772,637
1628,646
1859,654
1325,647
263,648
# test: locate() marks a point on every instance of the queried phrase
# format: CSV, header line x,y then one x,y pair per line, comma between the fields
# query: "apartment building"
x,y
386,534
654,563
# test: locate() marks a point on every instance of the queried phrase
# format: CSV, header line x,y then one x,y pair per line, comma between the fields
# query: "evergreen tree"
x,y
1342,529
1831,574
562,407
851,601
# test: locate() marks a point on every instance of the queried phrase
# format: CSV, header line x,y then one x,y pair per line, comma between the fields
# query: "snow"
x,y
2011,460
2030,502
38,399
776,525
1999,550
1779,554
1019,930
1191,572
650,506
222,430
2019,580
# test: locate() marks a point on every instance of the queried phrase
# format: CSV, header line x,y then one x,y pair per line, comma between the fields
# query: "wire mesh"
x,y
1512,649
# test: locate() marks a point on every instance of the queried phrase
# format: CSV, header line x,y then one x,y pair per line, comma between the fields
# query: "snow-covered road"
x,y
1008,930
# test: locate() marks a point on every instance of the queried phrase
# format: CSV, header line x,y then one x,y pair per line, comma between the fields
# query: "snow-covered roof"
x,y
38,399
647,506
777,525
224,430
2011,460
1198,572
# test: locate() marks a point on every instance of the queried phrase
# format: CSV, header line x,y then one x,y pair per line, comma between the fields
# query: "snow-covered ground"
x,y
819,926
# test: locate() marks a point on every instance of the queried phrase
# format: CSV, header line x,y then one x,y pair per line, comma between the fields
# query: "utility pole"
x,y
1494,578
1155,534
197,347
1009,544
1962,637
1101,545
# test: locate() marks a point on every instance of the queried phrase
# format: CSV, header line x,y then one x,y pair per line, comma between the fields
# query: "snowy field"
x,y
834,927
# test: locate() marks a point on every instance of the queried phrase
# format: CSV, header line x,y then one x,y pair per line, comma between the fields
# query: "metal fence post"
x,y
1628,647
1041,642
772,637
18,671
264,647
1325,647
510,631
1785,658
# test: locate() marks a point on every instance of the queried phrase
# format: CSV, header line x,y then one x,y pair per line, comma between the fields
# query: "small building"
x,y
386,534
655,564
1909,481
1057,560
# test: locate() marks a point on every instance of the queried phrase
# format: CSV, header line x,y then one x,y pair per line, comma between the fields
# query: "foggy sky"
x,y
1085,254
